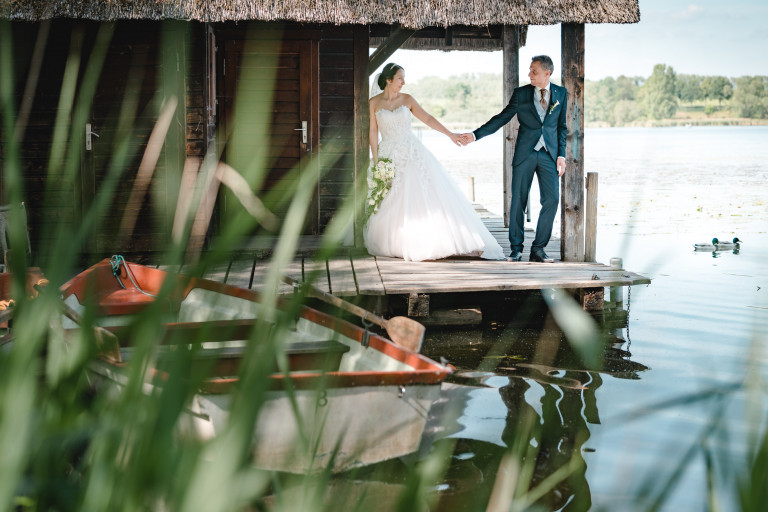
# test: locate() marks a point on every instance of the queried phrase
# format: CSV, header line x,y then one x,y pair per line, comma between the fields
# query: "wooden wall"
x,y
140,71
115,78
336,118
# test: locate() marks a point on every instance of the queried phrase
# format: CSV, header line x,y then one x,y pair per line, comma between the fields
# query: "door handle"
x,y
88,133
303,131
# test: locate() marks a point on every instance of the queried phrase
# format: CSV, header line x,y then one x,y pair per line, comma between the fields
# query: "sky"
x,y
702,37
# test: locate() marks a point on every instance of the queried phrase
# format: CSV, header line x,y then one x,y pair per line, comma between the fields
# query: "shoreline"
x,y
660,123
665,123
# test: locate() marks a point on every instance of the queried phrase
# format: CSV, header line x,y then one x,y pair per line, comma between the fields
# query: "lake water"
x,y
682,389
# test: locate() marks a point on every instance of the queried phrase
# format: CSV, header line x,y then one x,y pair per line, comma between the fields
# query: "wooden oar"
x,y
404,331
107,342
5,316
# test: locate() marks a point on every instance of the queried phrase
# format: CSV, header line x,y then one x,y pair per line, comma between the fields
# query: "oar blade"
x,y
406,332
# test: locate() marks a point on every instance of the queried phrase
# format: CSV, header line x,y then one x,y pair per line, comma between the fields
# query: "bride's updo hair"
x,y
388,73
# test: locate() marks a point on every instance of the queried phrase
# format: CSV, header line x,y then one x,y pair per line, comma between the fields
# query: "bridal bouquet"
x,y
379,183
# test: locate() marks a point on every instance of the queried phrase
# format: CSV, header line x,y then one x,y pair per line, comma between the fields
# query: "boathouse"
x,y
301,69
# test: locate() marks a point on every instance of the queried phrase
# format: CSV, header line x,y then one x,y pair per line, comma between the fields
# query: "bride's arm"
x,y
373,132
427,118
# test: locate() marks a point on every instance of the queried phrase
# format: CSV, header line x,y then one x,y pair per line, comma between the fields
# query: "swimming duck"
x,y
717,245
726,245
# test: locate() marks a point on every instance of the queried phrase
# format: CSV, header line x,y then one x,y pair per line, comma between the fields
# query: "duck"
x,y
727,245
717,245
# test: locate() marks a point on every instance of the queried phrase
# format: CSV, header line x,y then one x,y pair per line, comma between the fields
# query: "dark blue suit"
x,y
526,161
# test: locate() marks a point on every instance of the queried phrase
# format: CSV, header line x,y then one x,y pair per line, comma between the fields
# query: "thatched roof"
x,y
413,14
456,37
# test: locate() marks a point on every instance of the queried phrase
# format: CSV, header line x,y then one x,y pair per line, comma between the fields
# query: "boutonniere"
x,y
557,102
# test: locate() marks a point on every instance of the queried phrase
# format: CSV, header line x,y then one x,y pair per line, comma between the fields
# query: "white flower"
x,y
379,182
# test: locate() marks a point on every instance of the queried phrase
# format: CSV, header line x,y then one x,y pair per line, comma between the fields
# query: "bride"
x,y
425,216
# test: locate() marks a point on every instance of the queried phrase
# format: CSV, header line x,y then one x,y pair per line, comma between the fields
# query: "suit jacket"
x,y
553,127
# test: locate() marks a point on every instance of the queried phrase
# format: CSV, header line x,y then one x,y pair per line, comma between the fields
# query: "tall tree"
x,y
659,92
750,97
717,88
689,88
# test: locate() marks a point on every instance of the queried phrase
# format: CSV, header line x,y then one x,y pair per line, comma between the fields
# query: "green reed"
x,y
66,447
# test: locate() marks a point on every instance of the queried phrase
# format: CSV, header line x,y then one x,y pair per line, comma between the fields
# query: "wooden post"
x,y
396,38
590,233
617,292
471,188
361,124
511,43
572,197
592,299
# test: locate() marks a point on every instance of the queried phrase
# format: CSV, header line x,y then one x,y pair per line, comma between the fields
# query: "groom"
x,y
540,149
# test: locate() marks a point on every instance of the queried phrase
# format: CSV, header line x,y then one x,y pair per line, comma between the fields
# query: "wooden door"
x,y
117,131
269,119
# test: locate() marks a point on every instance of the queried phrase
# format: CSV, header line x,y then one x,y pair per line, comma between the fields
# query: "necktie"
x,y
543,101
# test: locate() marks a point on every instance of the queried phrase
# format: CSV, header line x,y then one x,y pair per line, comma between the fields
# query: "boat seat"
x,y
315,355
127,301
303,356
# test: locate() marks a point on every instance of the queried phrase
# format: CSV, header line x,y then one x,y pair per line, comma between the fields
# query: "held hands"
x,y
461,139
455,138
466,138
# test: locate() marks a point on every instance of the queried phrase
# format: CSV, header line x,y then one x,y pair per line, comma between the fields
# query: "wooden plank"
x,y
262,269
342,277
594,277
481,266
572,198
367,275
316,273
491,286
240,273
532,283
218,272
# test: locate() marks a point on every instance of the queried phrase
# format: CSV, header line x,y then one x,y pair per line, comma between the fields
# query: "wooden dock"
x,y
363,275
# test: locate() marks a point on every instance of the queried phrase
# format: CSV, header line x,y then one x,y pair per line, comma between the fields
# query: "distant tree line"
x,y
623,100
470,99
465,100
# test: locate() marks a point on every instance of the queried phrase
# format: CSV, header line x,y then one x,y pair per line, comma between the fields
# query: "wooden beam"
x,y
393,43
209,83
361,125
590,232
572,197
511,35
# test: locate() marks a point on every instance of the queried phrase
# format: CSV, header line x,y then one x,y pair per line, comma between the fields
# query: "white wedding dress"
x,y
425,216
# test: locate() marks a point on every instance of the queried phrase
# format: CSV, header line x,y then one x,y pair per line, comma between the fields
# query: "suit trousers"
x,y
541,164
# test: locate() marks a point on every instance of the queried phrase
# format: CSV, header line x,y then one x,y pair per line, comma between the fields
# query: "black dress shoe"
x,y
539,256
515,255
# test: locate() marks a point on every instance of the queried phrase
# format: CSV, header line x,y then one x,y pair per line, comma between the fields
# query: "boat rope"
x,y
116,261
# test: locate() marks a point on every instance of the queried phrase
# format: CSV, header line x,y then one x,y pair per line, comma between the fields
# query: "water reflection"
x,y
532,439
510,427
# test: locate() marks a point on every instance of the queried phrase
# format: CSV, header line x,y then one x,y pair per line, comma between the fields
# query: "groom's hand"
x,y
466,138
560,166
